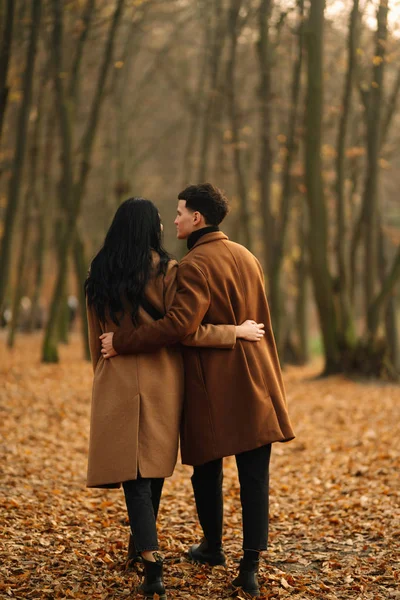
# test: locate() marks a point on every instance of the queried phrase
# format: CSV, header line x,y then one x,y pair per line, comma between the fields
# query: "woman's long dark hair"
x,y
122,267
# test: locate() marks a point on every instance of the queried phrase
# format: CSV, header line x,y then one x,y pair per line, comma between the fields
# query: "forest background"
x,y
291,107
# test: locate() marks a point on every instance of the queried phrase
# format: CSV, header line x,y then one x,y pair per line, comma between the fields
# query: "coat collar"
x,y
196,235
215,236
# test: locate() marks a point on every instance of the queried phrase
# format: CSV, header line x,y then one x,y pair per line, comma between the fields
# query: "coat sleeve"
x,y
208,335
190,304
94,334
212,336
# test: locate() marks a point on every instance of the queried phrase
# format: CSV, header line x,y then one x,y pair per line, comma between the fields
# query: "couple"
x,y
230,400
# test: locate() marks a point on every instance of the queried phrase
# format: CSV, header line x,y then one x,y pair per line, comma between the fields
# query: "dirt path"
x,y
334,510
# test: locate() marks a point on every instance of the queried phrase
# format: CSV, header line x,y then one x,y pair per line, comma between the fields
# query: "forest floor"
x,y
335,490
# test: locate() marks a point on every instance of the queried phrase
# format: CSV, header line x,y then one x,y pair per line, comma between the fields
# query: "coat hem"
x,y
117,484
216,456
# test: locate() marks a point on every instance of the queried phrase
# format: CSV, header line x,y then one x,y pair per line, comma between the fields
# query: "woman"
x,y
137,400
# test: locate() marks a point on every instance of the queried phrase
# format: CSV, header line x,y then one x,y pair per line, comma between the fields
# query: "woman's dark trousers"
x,y
253,469
142,498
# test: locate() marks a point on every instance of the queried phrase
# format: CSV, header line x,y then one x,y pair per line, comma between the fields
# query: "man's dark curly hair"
x,y
207,200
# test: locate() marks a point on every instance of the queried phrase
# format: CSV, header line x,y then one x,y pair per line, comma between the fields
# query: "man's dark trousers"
x,y
253,469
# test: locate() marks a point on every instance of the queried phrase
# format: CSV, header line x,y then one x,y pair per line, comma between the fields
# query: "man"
x,y
234,399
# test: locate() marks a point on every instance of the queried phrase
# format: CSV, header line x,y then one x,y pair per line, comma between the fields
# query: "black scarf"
x,y
196,235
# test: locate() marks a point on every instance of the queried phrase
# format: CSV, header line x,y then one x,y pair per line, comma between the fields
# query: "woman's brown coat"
x,y
137,399
234,399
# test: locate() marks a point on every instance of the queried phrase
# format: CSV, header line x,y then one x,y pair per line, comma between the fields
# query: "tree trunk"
x,y
122,106
5,52
19,157
388,284
81,271
354,248
73,90
195,121
88,139
355,167
391,109
31,202
63,108
43,216
390,321
217,44
392,333
58,324
278,249
20,285
303,294
318,232
235,124
73,194
370,199
264,50
345,322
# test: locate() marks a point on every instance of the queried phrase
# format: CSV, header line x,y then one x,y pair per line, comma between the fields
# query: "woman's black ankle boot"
x,y
153,578
247,578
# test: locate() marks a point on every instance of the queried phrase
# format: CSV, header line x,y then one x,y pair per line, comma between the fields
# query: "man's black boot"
x,y
247,578
133,555
153,578
206,554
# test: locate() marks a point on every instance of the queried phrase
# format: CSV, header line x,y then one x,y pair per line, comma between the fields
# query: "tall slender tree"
x,y
374,131
345,324
264,51
218,33
73,191
318,230
275,227
20,145
30,202
6,32
234,27
44,213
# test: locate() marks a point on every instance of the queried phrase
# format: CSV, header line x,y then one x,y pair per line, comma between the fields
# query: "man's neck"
x,y
196,235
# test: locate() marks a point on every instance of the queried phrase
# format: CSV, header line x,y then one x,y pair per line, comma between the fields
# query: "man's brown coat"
x,y
234,399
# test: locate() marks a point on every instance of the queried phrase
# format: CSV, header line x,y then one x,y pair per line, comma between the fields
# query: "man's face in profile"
x,y
185,220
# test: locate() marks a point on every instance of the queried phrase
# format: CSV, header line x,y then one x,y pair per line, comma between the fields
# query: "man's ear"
x,y
197,217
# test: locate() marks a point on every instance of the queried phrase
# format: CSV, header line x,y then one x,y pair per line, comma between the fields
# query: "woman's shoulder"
x,y
156,257
170,266
170,272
